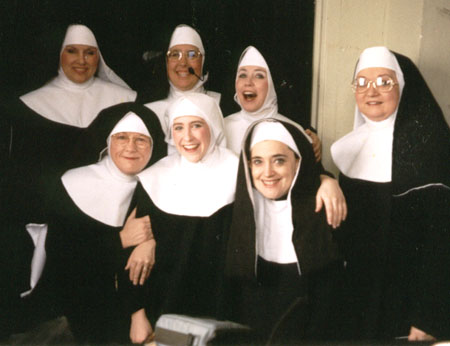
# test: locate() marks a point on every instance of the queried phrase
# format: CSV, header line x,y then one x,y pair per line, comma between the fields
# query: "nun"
x,y
185,59
395,176
96,253
189,196
46,125
255,94
282,263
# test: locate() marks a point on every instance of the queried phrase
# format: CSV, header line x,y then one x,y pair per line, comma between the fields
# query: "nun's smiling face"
x,y
79,62
273,167
376,105
191,136
178,69
130,151
251,87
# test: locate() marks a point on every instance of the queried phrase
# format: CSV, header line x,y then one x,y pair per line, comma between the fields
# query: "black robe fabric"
x,y
309,312
396,239
85,258
187,276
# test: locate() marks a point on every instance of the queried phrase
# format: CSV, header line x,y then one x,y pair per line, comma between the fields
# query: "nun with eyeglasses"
x,y
395,175
99,254
184,62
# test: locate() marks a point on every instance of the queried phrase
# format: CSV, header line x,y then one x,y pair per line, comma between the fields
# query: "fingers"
x,y
139,272
319,203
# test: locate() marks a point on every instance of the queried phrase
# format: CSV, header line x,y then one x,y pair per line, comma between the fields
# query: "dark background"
x,y
31,34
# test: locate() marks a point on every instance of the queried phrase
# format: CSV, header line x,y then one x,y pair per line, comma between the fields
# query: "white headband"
x,y
79,34
184,34
272,130
130,123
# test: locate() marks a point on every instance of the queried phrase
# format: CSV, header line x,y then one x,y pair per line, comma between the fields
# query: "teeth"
x,y
270,182
248,95
190,147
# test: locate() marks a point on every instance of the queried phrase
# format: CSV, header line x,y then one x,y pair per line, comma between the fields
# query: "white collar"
x,y
180,187
101,191
366,152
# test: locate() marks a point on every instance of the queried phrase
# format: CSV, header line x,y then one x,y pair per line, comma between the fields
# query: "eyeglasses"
x,y
383,84
122,139
178,54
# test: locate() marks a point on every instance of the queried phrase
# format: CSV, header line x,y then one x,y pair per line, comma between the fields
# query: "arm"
x,y
330,195
316,144
136,230
141,330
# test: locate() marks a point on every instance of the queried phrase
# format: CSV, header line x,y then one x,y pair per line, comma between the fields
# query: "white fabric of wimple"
x,y
130,123
184,34
273,131
79,34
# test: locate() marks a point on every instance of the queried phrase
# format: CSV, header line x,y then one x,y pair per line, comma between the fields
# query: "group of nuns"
x,y
120,212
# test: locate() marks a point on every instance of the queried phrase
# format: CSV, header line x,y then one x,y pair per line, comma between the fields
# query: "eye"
x,y
174,54
91,52
280,161
71,50
242,75
177,127
256,162
361,81
197,125
260,75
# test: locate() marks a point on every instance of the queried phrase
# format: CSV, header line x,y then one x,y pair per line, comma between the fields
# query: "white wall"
x,y
419,29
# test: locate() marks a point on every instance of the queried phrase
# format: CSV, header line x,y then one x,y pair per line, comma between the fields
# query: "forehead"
x,y
80,46
187,119
184,47
130,134
270,148
373,72
252,68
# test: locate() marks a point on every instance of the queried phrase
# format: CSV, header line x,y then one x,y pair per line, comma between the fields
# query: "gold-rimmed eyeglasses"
x,y
383,84
122,139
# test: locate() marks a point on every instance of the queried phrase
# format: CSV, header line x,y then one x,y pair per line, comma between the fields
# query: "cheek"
x,y
359,100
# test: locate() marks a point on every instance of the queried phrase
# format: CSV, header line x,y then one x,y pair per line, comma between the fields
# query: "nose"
x,y
268,169
372,89
131,145
249,81
81,58
187,135
183,61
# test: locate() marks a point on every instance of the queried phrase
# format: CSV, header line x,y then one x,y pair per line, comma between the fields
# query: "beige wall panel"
x,y
434,59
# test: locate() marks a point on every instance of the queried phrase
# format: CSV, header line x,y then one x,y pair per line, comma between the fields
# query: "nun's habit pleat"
x,y
397,234
282,301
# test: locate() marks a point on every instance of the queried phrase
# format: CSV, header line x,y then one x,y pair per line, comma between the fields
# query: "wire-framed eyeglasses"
x,y
176,54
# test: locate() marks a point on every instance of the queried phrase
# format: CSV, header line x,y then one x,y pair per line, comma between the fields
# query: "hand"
x,y
141,261
317,146
141,330
331,195
418,335
136,230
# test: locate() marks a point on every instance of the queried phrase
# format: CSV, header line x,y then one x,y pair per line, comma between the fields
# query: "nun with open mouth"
x,y
282,263
189,196
255,93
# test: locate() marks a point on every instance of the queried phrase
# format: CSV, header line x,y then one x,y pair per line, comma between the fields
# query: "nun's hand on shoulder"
x,y
316,144
331,195
141,261
136,230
